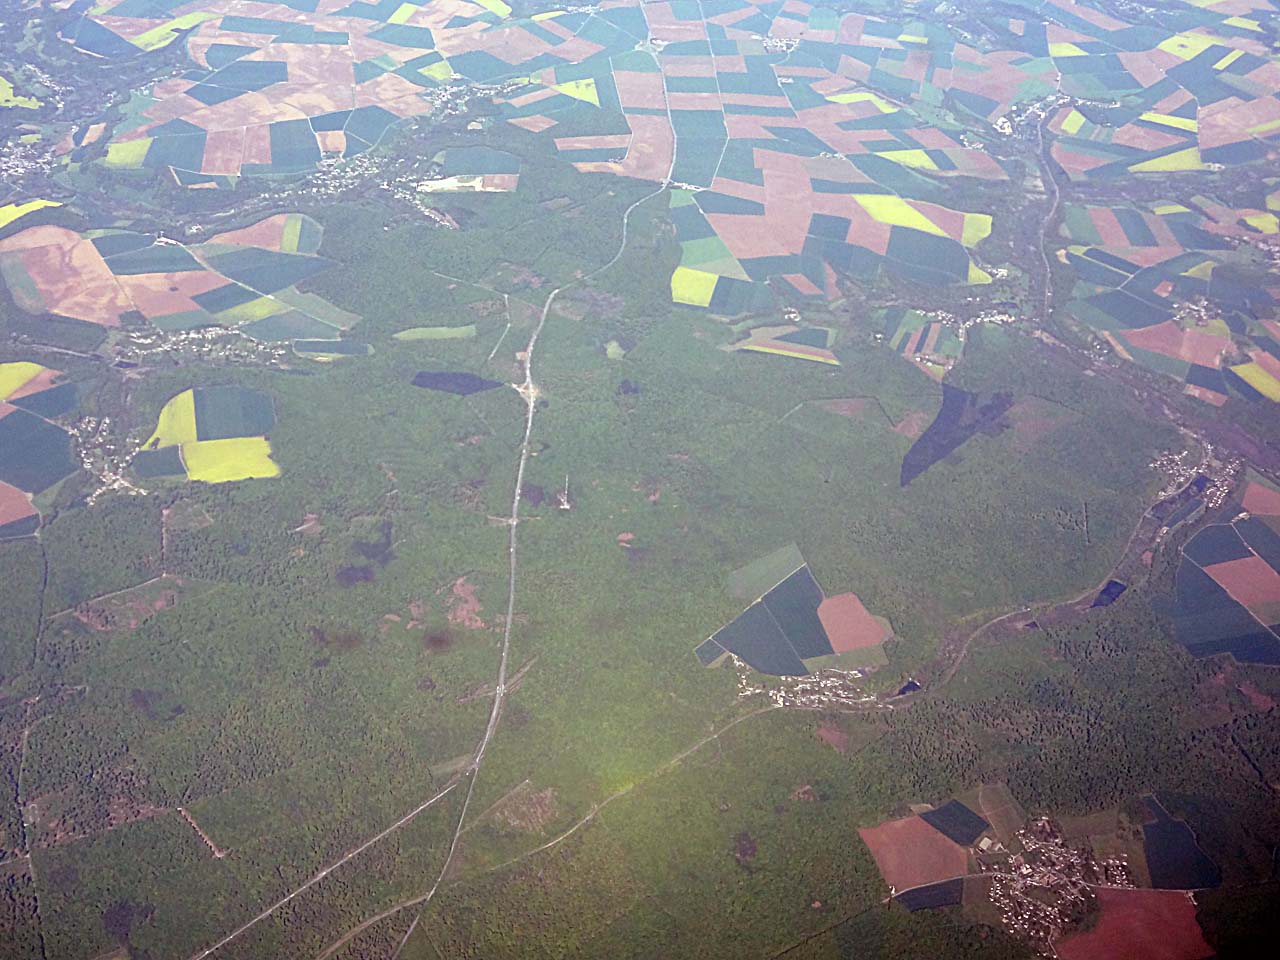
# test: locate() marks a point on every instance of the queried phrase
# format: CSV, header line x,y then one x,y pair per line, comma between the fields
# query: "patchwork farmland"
x,y
1163,287
1227,596
243,278
926,851
804,144
214,434
793,628
35,452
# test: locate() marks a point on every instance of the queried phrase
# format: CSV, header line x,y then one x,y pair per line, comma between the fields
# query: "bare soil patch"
x,y
1262,500
846,407
526,809
14,504
910,853
463,606
849,625
1250,580
912,425
838,740
1140,925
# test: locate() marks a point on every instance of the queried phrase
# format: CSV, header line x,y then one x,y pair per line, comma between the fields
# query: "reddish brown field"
x,y
869,233
1146,138
1108,227
1266,361
913,344
932,138
915,66
1097,18
575,49
616,141
1263,500
1141,67
910,853
1150,256
70,274
1205,394
689,67
1250,580
931,341
14,504
694,101
223,150
950,221
848,623
516,46
649,155
257,144
803,284
1226,122
1140,925
266,233
1169,339
637,89
664,24
534,96
315,64
1075,164
160,294
533,124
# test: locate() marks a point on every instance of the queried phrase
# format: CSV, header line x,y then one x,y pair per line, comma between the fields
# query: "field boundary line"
x,y
1182,550
108,596
666,767
317,877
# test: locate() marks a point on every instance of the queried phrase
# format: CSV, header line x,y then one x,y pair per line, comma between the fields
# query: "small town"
x,y
202,345
104,456
1046,888
826,688
1181,469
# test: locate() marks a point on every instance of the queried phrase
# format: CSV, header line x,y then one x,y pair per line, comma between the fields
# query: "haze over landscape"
x,y
650,478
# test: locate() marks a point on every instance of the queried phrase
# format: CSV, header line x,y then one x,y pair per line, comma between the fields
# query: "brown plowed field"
x,y
1263,500
848,623
1249,580
1140,925
266,234
14,504
1171,340
910,853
